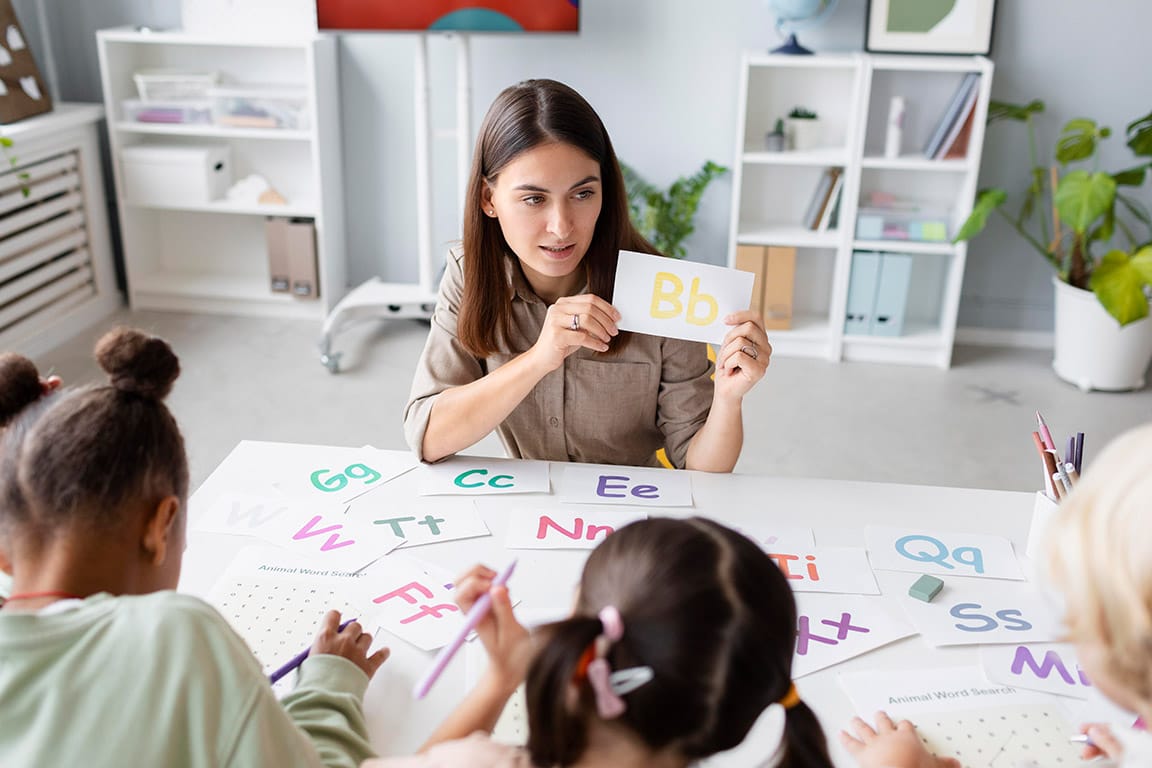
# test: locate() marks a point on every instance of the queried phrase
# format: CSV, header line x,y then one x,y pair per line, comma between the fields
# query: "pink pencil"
x,y
1044,433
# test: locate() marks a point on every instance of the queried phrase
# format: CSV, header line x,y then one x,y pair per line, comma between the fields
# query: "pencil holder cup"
x,y
1043,513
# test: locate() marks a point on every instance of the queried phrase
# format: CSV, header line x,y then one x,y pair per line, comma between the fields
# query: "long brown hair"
x,y
713,617
524,116
86,457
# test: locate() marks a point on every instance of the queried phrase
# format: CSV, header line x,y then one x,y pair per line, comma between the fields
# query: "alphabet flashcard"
x,y
834,628
425,520
1047,667
411,603
975,612
827,569
677,298
941,553
570,526
338,474
633,486
483,476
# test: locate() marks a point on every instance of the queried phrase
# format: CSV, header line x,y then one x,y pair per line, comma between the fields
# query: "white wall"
x,y
663,74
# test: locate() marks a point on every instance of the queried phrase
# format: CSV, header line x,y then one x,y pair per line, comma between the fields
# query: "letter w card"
x,y
945,553
676,298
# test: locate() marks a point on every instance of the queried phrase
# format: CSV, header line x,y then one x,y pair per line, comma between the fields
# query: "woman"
x,y
524,337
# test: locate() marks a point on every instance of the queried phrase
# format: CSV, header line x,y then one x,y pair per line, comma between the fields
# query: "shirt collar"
x,y
521,289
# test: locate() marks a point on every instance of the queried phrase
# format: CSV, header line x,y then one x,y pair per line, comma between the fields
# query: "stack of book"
x,y
825,200
950,137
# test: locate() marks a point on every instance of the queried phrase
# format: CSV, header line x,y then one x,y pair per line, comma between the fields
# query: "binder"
x,y
819,198
952,114
753,258
302,258
862,285
957,127
958,147
276,240
833,203
891,294
779,278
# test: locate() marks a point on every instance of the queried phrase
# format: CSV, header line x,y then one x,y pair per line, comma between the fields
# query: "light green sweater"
x,y
162,680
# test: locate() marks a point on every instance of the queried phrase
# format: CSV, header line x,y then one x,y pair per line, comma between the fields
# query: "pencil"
x,y
1049,488
298,659
1044,433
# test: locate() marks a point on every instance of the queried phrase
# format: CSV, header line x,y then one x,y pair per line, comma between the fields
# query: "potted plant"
x,y
666,217
804,129
1097,236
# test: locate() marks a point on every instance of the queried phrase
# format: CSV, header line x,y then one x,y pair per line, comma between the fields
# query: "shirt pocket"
x,y
611,414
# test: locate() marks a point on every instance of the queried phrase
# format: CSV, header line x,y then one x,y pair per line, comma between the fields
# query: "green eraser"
x,y
926,588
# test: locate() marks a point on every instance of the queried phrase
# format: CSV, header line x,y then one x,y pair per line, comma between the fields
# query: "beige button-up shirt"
x,y
617,409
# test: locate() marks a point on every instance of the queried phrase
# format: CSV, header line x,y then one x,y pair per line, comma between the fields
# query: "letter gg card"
x,y
676,298
943,553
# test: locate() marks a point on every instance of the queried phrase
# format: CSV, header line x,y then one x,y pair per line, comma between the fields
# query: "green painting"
x,y
917,15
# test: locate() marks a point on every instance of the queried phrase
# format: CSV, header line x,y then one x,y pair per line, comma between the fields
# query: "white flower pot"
x,y
805,133
1092,350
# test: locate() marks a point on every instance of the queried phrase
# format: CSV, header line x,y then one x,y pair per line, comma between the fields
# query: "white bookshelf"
x,y
212,257
850,94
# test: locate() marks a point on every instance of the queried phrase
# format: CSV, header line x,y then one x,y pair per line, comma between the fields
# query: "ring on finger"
x,y
575,322
750,351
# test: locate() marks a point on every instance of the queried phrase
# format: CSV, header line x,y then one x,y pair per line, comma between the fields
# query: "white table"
x,y
837,511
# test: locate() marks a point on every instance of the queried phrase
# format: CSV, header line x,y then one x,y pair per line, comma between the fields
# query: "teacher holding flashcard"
x,y
524,339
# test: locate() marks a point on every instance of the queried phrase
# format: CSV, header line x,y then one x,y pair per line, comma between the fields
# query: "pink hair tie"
x,y
613,624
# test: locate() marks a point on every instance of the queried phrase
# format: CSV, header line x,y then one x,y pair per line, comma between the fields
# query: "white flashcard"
x,y
482,476
905,693
336,474
411,602
973,612
942,553
827,569
772,537
425,520
582,484
676,298
573,526
246,514
261,563
834,628
1047,667
330,536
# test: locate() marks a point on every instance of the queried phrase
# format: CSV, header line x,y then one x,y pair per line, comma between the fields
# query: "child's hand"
x,y
508,643
1104,743
890,746
352,643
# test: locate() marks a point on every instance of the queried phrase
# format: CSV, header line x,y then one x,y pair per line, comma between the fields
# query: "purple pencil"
x,y
298,659
479,610
1070,454
1079,452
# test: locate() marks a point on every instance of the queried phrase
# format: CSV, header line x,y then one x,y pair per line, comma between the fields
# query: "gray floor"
x,y
970,426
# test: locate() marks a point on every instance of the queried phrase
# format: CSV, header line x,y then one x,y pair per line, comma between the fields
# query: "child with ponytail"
x,y
101,664
680,641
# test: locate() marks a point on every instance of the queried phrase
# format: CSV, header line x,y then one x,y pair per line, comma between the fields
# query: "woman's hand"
x,y
890,746
351,643
743,357
574,322
1104,742
508,643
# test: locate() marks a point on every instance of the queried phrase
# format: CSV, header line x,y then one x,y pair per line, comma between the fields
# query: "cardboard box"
x,y
779,279
301,239
276,239
753,258
175,175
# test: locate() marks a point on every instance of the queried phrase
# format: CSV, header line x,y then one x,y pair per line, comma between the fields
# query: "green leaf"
x,y
1132,177
1078,140
1140,135
1083,197
986,202
1118,282
1002,110
1136,208
5,142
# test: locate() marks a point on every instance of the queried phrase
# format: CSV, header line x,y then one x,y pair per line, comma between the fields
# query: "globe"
x,y
792,15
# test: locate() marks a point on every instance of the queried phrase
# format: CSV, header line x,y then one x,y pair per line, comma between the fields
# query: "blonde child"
x,y
1100,558
101,664
681,638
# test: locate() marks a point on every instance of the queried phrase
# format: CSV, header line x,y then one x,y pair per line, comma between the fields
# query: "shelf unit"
x,y
850,94
212,256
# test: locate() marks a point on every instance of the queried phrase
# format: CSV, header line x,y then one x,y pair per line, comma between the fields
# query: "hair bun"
x,y
138,363
19,385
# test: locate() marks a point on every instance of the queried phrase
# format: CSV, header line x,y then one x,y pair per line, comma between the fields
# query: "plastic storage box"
x,y
174,85
283,107
173,112
175,175
901,224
